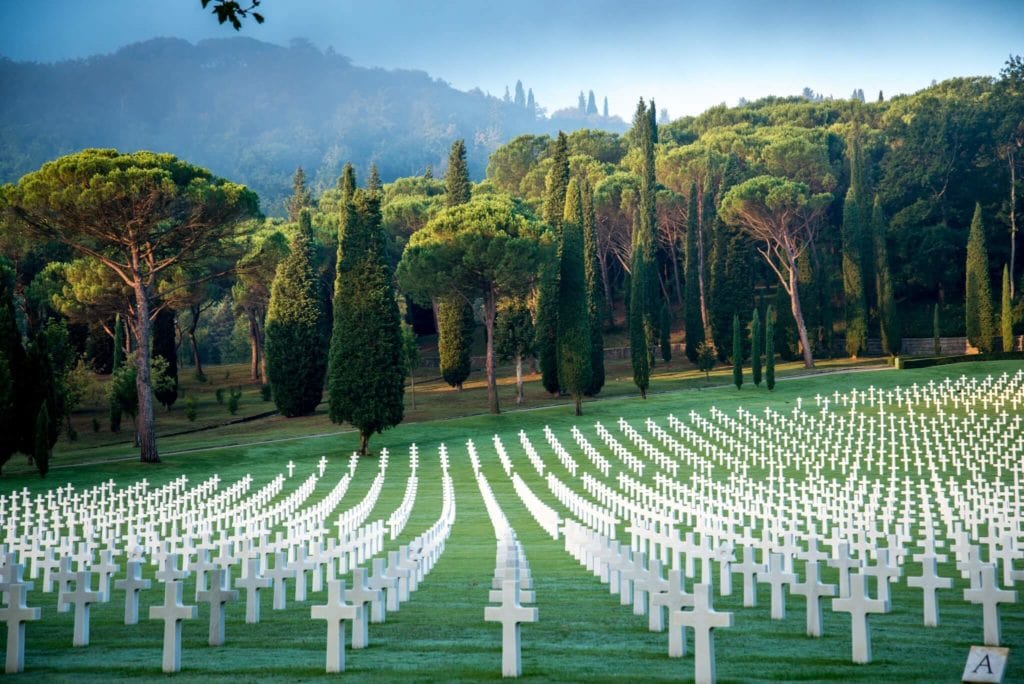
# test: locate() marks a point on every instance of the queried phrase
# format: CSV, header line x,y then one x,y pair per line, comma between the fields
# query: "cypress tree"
x,y
978,292
573,316
295,332
769,349
454,339
531,103
373,183
889,324
755,348
115,406
300,198
605,109
936,332
591,103
582,104
644,300
691,317
165,346
1006,313
458,187
556,184
853,283
596,306
737,352
520,100
454,314
366,383
347,180
41,446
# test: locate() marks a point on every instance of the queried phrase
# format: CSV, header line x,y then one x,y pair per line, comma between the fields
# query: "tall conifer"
x,y
555,187
296,328
573,317
347,180
978,291
889,323
1006,313
373,182
301,197
596,306
853,282
769,349
12,366
644,302
367,371
454,314
458,187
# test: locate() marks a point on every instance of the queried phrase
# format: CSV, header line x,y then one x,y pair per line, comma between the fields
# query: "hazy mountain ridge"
x,y
252,112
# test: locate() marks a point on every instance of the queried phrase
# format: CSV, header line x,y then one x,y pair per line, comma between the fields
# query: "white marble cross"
x,y
361,595
15,614
322,465
172,612
674,598
105,569
884,572
929,582
217,595
989,595
280,574
813,590
291,468
131,585
844,563
749,568
859,606
300,566
703,619
63,578
82,597
777,578
381,581
335,612
510,614
253,583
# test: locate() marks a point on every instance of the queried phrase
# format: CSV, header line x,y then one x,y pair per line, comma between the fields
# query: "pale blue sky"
x,y
686,55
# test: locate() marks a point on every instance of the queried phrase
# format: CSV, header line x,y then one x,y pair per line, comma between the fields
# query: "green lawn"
x,y
583,633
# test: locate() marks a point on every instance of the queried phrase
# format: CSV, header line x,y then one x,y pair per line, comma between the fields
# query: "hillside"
x,y
253,112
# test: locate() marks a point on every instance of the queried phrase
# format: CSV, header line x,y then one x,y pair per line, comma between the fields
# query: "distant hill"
x,y
253,112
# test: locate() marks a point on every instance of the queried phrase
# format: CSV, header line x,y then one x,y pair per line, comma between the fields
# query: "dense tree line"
x,y
777,227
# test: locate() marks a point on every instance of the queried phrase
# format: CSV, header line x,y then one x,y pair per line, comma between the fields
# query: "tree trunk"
x,y
192,342
519,379
490,312
705,317
412,385
364,441
261,338
798,316
254,346
145,427
578,401
602,260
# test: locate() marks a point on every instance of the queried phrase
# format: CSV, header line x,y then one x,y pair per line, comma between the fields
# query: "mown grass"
x,y
440,635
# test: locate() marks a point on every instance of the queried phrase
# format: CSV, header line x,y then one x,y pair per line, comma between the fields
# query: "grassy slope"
x,y
583,633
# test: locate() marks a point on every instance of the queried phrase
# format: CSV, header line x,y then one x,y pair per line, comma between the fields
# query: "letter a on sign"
x,y
986,664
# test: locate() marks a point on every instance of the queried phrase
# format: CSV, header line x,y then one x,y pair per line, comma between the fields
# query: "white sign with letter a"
x,y
986,664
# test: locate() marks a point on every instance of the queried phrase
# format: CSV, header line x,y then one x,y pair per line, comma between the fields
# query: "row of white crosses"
x,y
862,518
511,585
546,516
295,554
